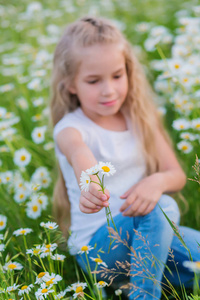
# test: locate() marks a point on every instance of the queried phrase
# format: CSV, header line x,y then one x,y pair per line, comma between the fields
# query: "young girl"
x,y
102,110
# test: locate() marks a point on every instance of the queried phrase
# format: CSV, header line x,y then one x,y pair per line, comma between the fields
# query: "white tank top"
x,y
118,147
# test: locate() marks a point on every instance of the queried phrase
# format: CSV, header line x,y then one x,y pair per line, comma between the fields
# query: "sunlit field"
x,y
34,261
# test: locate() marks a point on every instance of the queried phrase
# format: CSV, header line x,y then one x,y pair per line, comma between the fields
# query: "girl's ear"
x,y
71,88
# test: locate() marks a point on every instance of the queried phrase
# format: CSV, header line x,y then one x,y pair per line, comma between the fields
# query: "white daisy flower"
x,y
118,292
84,181
85,249
196,124
4,148
43,292
101,284
22,103
193,266
1,236
42,277
40,199
54,279
22,231
22,157
99,261
38,102
12,266
38,134
2,247
49,225
7,177
35,251
106,168
33,210
48,249
12,288
20,196
74,286
48,146
3,221
93,170
25,289
6,87
181,124
60,257
35,84
184,146
36,118
187,136
3,111
61,295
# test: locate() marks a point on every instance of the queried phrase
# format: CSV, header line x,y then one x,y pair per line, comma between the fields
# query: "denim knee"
x,y
170,208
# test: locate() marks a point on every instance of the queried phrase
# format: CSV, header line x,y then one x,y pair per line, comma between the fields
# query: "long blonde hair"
x,y
139,105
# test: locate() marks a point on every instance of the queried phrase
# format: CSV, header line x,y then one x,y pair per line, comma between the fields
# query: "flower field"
x,y
34,263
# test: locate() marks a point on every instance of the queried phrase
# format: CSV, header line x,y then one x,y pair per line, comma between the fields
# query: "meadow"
x,y
166,38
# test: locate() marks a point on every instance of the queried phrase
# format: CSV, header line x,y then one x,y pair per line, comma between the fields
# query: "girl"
x,y
102,110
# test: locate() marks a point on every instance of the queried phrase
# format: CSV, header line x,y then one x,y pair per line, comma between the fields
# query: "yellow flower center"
x,y
181,126
87,181
185,80
84,248
7,178
98,260
44,181
39,134
48,246
176,66
198,264
44,291
184,147
186,136
21,196
23,157
35,208
41,274
1,223
12,266
79,289
50,227
50,281
23,231
24,287
40,201
198,125
101,282
106,169
36,251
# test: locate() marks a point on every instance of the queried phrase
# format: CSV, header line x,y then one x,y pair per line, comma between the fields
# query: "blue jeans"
x,y
147,240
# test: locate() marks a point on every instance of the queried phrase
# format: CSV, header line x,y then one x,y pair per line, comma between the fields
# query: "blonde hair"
x,y
139,104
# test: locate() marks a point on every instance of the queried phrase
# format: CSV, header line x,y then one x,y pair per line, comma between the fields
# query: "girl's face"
x,y
101,83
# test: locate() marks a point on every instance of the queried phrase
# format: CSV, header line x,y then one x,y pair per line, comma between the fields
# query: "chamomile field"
x,y
34,260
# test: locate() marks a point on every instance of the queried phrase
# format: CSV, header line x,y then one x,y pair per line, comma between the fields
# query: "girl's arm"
x,y
143,196
81,158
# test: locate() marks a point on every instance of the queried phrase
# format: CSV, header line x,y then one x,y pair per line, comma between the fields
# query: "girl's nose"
x,y
107,89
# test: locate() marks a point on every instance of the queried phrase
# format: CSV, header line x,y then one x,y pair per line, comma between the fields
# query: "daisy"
x,y
101,284
196,124
40,199
12,266
118,292
42,277
2,111
47,250
193,266
1,235
3,221
7,177
84,181
20,196
181,124
34,84
99,261
34,251
22,231
38,134
43,292
25,289
12,288
22,103
93,170
54,279
6,87
38,102
49,225
106,168
48,146
61,295
33,210
85,249
60,257
22,157
187,136
185,146
78,292
78,284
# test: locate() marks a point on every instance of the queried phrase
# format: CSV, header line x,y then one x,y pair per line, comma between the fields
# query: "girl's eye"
x,y
117,76
93,81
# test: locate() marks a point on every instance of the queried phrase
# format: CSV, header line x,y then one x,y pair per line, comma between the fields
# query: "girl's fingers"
x,y
129,201
132,209
94,190
98,201
87,210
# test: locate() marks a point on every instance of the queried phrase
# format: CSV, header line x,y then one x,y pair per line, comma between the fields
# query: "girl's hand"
x,y
93,200
142,197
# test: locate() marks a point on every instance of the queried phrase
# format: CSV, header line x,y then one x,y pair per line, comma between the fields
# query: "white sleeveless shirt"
x,y
118,147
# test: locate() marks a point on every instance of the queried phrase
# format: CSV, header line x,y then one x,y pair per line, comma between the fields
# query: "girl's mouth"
x,y
109,103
